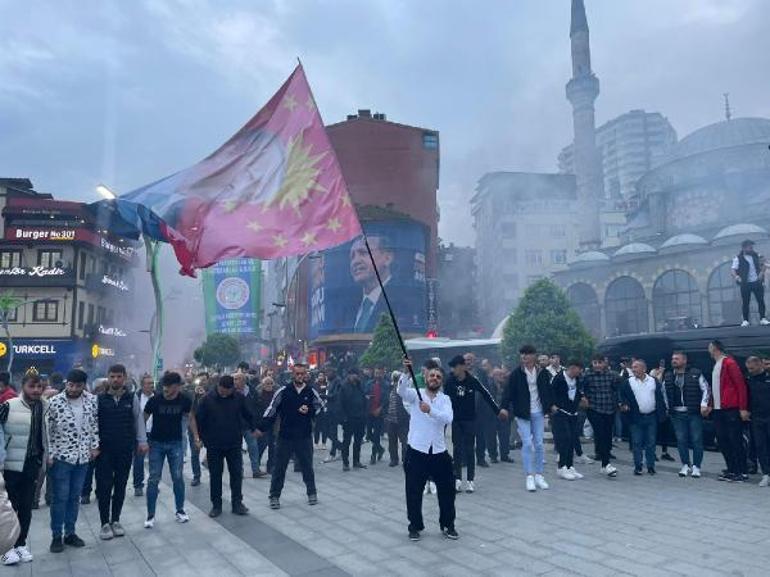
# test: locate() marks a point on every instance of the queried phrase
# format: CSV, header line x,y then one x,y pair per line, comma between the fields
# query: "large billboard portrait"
x,y
345,296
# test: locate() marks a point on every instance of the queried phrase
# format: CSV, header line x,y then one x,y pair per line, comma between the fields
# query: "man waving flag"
x,y
275,189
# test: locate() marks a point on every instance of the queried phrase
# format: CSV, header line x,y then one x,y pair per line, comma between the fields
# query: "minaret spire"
x,y
582,91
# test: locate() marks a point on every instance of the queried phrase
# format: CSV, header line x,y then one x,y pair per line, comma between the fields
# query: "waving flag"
x,y
275,189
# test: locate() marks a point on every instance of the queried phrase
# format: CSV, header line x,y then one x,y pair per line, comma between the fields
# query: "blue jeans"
x,y
253,447
531,433
67,485
173,452
689,433
267,442
644,431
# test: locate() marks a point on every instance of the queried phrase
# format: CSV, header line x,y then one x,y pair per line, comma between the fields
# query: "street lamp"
x,y
106,192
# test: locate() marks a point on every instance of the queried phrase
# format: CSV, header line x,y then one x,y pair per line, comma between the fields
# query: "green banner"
x,y
232,292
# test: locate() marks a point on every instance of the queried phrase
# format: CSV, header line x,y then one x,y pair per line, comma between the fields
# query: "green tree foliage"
x,y
8,305
219,350
384,350
545,319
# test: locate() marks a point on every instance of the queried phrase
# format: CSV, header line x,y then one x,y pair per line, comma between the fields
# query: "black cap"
x,y
747,242
77,376
226,382
456,361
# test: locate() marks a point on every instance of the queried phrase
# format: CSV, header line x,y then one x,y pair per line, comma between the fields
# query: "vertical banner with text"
x,y
231,292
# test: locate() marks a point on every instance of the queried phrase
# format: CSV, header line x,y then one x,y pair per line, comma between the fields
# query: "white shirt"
x,y
534,395
644,391
571,387
142,403
716,384
77,411
553,370
752,276
426,430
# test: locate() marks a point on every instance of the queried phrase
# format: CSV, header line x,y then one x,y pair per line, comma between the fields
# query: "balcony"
x,y
37,276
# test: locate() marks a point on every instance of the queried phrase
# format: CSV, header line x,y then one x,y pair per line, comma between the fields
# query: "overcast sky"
x,y
126,92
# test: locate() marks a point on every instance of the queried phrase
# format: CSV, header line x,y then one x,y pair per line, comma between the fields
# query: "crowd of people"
x,y
66,436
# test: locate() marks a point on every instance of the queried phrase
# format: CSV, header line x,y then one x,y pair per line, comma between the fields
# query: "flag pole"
x,y
156,327
392,316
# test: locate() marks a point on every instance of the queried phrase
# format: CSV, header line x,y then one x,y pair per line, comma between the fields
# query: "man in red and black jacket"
x,y
729,404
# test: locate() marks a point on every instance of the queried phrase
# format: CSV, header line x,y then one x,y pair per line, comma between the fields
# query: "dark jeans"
x,y
563,427
760,427
172,452
644,431
374,428
267,441
88,482
112,469
195,456
758,290
729,427
352,429
602,425
577,424
397,433
320,428
689,433
252,447
418,468
302,449
20,486
463,445
486,435
332,432
217,458
138,467
67,487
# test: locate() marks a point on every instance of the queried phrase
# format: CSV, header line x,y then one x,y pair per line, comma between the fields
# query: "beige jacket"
x,y
9,524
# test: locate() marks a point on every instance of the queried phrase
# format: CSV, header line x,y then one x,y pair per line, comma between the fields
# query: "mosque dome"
x,y
588,259
633,250
739,232
725,134
682,242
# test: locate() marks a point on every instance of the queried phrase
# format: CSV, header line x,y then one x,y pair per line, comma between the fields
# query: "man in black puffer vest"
x,y
749,272
687,393
121,430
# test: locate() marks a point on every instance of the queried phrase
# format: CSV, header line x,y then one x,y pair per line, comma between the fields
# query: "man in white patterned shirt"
x,y
426,454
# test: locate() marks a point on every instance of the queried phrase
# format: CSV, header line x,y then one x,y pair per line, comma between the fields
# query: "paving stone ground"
x,y
640,526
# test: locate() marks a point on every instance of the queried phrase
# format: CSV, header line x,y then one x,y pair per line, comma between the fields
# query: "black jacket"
x,y
759,395
286,404
463,396
627,397
560,393
254,406
353,400
516,393
221,420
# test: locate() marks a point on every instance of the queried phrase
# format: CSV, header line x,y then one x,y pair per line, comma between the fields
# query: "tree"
x,y
219,350
546,320
8,305
384,350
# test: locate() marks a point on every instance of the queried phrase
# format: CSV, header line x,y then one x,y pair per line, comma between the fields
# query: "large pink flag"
x,y
275,189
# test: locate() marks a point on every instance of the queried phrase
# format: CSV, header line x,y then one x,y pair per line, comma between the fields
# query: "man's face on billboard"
x,y
361,268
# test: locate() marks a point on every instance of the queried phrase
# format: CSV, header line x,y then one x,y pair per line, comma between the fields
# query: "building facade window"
x,y
625,307
45,311
533,257
90,314
583,299
675,300
430,140
724,298
82,266
10,259
12,315
48,258
558,257
81,314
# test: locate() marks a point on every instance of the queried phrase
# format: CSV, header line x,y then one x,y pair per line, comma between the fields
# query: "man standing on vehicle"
x,y
748,269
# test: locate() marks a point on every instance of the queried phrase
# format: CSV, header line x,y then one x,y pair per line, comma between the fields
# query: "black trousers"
x,y
320,428
397,433
352,429
217,458
111,472
760,428
577,425
758,290
602,425
374,427
332,433
563,427
486,435
729,430
21,493
88,484
418,468
463,448
302,449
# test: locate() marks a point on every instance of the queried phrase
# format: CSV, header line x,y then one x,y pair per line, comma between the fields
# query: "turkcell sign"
x,y
38,350
231,294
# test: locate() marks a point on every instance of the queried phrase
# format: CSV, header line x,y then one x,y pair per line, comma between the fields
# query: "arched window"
x,y
583,299
676,300
625,307
725,298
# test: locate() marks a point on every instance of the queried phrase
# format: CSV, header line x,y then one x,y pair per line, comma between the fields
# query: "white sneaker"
x,y
11,558
106,533
695,472
426,490
118,530
745,323
24,554
470,487
330,458
610,470
458,486
564,473
684,471
182,517
540,482
764,322
765,482
531,483
149,523
585,460
432,487
575,473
